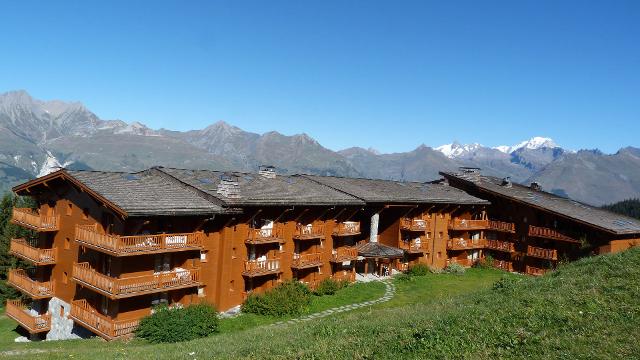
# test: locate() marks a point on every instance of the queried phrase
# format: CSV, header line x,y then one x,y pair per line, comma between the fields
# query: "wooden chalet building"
x,y
111,245
530,230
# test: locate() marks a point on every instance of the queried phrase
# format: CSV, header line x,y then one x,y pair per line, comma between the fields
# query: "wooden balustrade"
x,y
503,265
344,275
466,224
414,224
542,253
464,244
305,232
118,288
22,249
266,235
464,262
33,323
500,245
542,232
414,247
117,245
303,261
261,267
347,228
502,226
102,325
531,270
344,253
19,279
30,219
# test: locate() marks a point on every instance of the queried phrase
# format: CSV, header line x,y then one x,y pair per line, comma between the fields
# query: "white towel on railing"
x,y
177,240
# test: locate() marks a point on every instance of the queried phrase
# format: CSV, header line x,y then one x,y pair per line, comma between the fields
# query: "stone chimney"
x,y
506,182
267,171
229,187
535,186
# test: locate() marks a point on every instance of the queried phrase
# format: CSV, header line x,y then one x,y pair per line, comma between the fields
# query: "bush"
x,y
289,298
485,263
404,277
172,325
419,270
454,268
329,286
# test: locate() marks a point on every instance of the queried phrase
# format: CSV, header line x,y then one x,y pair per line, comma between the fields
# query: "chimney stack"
x,y
267,171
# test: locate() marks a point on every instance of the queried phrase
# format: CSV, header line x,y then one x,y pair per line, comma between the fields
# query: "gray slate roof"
x,y
387,191
255,190
604,219
145,194
377,250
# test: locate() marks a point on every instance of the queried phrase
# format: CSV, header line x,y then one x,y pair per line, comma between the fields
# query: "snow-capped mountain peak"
x,y
534,143
456,149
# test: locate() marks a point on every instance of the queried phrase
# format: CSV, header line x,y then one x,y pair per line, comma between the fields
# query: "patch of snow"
x,y
536,142
455,149
51,164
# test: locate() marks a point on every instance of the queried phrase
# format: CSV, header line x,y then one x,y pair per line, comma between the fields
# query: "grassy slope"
x,y
588,309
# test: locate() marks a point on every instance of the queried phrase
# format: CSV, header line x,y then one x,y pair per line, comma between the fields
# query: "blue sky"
x,y
384,74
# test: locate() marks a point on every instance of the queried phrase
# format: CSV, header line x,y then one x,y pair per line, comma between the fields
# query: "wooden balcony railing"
x,y
503,265
303,261
414,247
502,226
19,279
88,235
547,233
403,266
22,249
102,325
30,219
261,267
347,228
118,288
305,232
542,253
500,245
344,253
414,224
265,236
33,323
463,262
466,224
530,270
344,275
464,244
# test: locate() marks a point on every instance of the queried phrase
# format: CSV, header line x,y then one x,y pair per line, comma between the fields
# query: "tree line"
x,y
630,207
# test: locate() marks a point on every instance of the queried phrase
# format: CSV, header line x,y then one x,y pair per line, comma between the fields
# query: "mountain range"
x,y
38,136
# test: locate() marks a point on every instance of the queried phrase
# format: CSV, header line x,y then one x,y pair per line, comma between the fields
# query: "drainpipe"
x,y
373,234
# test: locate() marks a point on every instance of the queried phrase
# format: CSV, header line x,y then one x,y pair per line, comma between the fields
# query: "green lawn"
x,y
585,310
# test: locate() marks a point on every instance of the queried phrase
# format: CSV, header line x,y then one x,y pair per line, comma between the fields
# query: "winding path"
x,y
390,290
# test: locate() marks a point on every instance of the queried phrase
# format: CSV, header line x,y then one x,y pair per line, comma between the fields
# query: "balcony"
x,y
503,265
344,253
306,261
502,226
414,247
119,288
20,280
530,270
465,244
344,275
347,228
419,225
465,224
547,233
115,245
30,219
542,253
28,319
498,245
265,236
307,232
88,317
22,249
254,268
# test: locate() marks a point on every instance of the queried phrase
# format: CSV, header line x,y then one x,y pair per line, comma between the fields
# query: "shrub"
x,y
419,270
485,263
289,298
329,286
404,277
454,268
172,325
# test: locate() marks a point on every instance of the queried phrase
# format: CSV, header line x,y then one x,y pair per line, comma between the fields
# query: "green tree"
x,y
630,207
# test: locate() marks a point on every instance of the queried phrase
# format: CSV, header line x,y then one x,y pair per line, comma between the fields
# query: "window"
x,y
429,235
440,235
67,243
232,285
85,213
203,256
201,291
65,277
439,255
69,209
